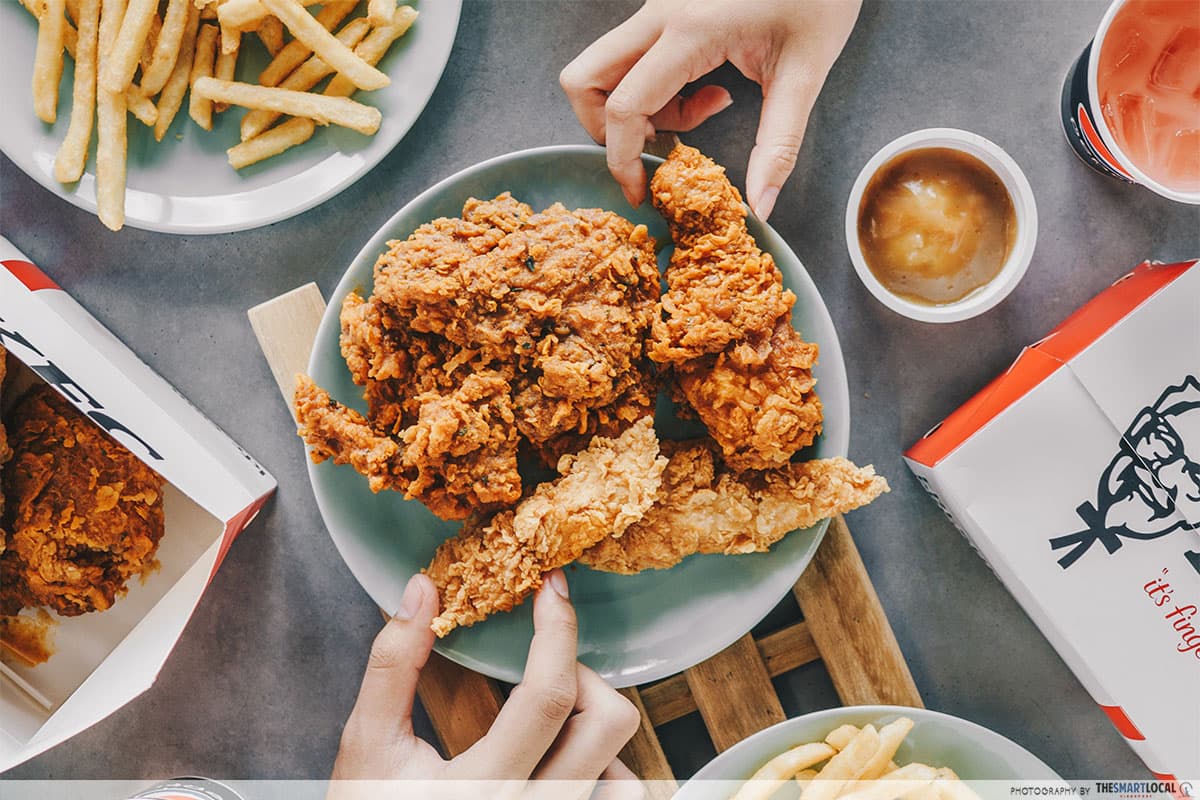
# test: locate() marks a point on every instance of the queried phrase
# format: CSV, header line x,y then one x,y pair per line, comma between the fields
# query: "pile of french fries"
x,y
856,764
142,57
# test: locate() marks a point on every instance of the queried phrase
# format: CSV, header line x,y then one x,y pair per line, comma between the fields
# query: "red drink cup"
x,y
1131,102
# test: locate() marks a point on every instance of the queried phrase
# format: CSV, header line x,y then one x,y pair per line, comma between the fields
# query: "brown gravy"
x,y
935,224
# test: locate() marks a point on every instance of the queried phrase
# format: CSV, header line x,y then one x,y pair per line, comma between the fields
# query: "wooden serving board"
x,y
844,625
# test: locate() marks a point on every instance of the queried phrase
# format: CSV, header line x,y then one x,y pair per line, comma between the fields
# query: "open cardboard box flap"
x,y
103,660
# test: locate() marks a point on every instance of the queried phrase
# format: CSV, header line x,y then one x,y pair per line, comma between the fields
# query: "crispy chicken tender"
x,y
701,507
725,327
757,401
86,514
461,454
493,565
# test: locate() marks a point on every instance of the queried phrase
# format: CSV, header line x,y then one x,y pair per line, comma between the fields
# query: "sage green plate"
x,y
184,183
939,740
633,629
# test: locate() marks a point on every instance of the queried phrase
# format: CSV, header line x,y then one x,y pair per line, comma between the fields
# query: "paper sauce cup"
x,y
1019,191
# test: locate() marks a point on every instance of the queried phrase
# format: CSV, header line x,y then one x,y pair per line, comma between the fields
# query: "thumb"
x,y
787,102
385,701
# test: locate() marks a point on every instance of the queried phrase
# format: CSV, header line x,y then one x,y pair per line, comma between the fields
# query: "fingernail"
x,y
558,582
410,603
766,202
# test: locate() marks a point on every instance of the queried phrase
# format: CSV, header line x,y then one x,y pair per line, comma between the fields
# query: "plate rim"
x,y
833,714
371,250
24,162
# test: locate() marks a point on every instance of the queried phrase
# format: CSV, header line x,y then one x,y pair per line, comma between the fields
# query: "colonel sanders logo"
x,y
1152,487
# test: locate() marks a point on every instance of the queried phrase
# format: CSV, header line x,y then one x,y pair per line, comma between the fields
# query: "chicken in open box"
x,y
1076,475
212,490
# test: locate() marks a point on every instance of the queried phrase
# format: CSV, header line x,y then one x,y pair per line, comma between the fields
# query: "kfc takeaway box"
x,y
1076,475
212,490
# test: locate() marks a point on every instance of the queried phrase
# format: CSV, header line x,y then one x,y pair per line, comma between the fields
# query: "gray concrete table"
x,y
266,672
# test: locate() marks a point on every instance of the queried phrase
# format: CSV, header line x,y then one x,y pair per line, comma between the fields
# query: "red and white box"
x,y
102,660
1076,475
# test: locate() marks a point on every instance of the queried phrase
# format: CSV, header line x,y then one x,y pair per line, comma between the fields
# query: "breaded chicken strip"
x,y
494,565
460,454
725,329
703,508
757,399
87,514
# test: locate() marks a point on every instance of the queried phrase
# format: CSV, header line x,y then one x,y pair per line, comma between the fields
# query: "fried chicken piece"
x,y
5,450
462,452
564,298
725,328
701,507
87,515
758,402
460,455
335,431
493,565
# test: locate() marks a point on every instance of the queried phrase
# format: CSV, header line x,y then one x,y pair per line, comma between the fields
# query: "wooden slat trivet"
x,y
844,625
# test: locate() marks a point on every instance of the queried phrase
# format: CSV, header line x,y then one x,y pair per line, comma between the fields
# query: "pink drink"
x,y
1148,81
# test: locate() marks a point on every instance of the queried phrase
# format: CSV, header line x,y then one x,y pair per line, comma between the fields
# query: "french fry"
x,y
951,787
48,61
907,779
200,108
308,75
295,52
373,49
166,47
847,765
141,106
300,130
111,144
319,108
245,15
381,12
208,11
890,737
840,737
73,10
271,143
804,777
172,94
127,47
37,7
270,32
151,41
231,42
73,152
306,28
780,769
226,66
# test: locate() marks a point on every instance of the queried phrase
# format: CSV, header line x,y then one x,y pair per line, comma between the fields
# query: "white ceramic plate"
x,y
940,740
632,628
184,184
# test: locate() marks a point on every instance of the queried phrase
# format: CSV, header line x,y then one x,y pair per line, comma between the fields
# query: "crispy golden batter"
x,y
5,451
550,309
493,565
86,514
703,508
757,400
725,327
461,453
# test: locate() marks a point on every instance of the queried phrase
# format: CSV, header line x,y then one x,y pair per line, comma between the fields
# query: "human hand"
x,y
561,723
626,85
